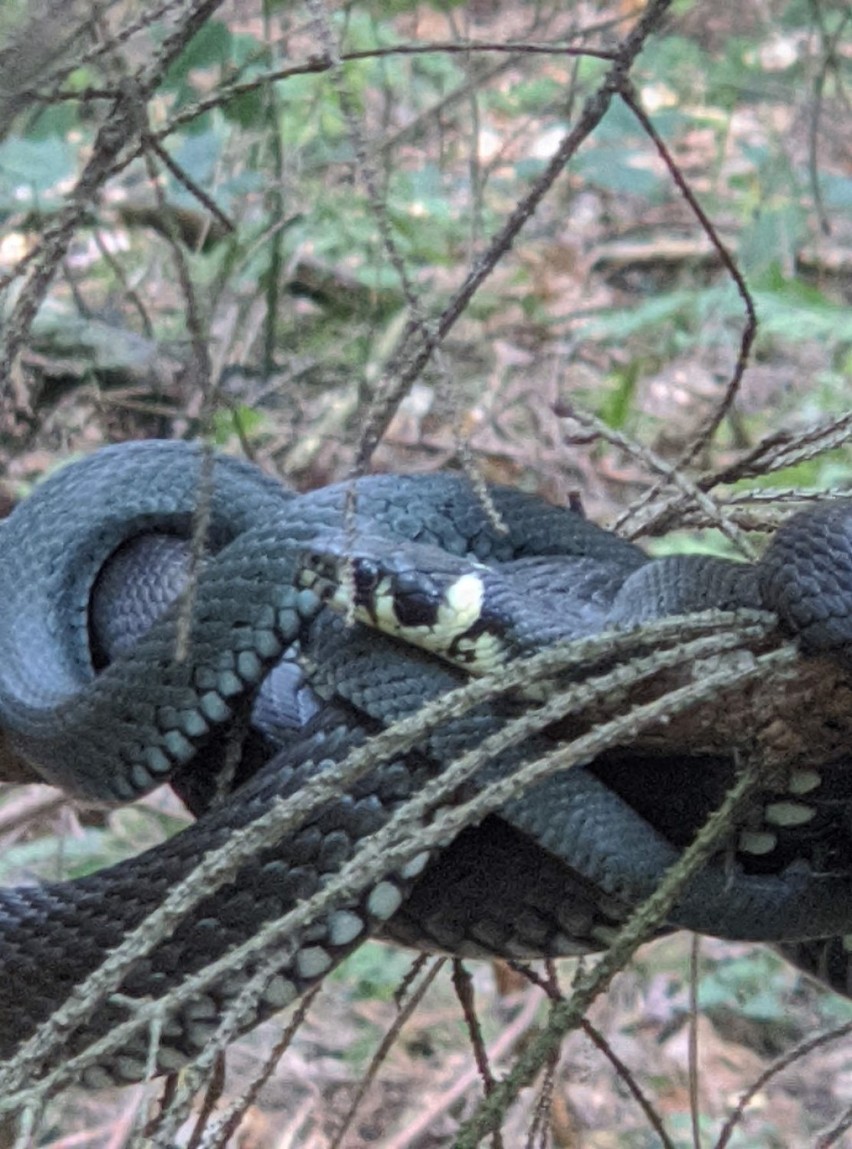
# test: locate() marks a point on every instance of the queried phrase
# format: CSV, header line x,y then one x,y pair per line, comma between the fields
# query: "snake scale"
x,y
108,687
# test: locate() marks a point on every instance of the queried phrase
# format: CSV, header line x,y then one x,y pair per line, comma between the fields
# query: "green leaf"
x,y
31,168
836,190
772,239
242,419
620,158
198,154
245,109
215,49
209,47
797,313
54,120
618,403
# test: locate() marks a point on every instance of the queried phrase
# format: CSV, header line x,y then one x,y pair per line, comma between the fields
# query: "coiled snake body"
x,y
108,707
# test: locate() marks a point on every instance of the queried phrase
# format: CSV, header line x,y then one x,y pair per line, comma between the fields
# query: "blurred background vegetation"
x,y
290,200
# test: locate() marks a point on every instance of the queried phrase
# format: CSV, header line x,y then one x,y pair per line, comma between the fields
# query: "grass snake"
x,y
108,707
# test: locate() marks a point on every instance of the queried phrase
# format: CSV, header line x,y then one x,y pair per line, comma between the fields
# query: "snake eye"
x,y
415,609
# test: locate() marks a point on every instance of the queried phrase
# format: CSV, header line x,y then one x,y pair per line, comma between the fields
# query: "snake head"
x,y
806,578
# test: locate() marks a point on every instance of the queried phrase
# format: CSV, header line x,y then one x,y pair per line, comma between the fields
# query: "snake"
x,y
128,655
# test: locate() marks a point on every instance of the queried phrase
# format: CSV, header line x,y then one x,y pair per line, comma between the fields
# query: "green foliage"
x,y
434,208
241,420
681,63
32,170
214,47
837,191
663,316
616,407
771,239
619,160
792,310
789,311
129,831
55,121
753,985
374,971
532,97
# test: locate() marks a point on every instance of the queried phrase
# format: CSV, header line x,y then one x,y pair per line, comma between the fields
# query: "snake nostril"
x,y
367,575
